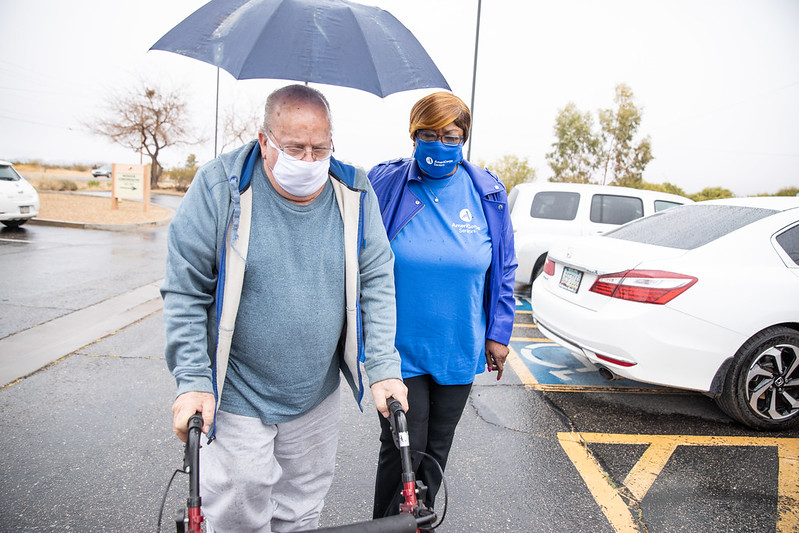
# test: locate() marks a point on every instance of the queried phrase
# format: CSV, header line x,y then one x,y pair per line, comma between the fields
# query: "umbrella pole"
x,y
216,116
474,79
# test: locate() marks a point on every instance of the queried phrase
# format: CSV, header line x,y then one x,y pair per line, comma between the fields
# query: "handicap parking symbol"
x,y
523,304
552,364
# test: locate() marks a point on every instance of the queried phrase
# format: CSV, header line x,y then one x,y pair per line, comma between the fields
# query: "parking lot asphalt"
x,y
85,421
86,441
87,446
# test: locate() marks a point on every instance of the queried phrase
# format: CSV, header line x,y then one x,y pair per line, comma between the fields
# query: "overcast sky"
x,y
718,81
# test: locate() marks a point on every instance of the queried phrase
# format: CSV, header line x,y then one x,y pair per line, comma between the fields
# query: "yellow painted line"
x,y
520,312
608,499
788,487
524,325
609,389
521,369
688,440
660,449
639,480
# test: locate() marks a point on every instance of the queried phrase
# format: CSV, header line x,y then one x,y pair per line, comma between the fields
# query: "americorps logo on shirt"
x,y
466,216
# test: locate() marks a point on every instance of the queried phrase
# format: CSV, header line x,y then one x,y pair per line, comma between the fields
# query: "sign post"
x,y
130,182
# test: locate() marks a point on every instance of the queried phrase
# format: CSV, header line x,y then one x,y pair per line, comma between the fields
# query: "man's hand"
x,y
186,405
496,354
382,390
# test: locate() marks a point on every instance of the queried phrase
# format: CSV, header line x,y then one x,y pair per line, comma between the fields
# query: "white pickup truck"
x,y
543,212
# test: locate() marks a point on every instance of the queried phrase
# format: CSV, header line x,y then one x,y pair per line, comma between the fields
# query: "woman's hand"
x,y
496,354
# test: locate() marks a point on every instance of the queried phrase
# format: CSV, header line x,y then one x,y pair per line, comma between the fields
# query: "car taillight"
x,y
549,267
645,286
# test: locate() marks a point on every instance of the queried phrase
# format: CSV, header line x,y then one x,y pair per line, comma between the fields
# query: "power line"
x,y
48,125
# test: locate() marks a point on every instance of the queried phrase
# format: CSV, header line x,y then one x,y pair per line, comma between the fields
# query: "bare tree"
x,y
239,127
147,118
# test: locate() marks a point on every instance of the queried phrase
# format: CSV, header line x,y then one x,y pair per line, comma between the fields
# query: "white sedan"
x,y
703,297
19,201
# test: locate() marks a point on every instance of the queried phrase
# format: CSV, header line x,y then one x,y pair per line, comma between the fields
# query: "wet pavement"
x,y
87,442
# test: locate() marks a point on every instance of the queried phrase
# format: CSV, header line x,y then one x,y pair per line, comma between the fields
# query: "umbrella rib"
x,y
365,43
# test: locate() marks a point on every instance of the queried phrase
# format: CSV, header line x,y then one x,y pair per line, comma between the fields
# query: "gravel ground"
x,y
70,207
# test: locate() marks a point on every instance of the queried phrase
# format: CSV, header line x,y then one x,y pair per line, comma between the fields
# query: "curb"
x,y
106,227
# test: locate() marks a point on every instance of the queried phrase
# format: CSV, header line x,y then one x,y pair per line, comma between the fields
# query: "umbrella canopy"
x,y
334,42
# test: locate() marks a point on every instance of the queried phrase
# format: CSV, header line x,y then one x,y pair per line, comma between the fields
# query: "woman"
x,y
450,230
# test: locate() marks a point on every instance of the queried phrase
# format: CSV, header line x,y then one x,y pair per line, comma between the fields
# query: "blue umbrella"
x,y
333,42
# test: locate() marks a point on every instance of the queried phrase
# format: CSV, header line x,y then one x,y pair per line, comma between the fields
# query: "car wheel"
x,y
14,223
761,389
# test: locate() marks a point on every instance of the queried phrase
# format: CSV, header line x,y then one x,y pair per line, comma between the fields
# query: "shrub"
x,y
42,184
46,184
182,176
789,191
67,185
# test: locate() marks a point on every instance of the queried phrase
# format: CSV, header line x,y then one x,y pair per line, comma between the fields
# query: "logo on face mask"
x,y
437,159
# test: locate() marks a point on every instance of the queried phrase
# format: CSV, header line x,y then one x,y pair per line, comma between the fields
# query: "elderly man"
x,y
279,277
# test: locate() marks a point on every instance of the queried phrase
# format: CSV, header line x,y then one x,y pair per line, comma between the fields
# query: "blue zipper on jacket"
x,y
359,324
219,295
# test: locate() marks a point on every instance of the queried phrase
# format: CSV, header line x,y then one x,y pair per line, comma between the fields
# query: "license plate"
x,y
570,279
24,209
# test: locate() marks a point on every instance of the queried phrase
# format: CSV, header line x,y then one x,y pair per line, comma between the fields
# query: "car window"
x,y
555,205
789,241
7,173
689,226
660,205
613,209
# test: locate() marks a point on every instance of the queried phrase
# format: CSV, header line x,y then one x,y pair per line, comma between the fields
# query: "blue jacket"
x,y
206,261
399,204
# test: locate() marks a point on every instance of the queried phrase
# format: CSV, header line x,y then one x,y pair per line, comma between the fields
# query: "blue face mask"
x,y
437,159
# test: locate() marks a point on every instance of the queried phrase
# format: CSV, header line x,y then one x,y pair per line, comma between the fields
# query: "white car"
x,y
703,296
542,213
105,171
19,201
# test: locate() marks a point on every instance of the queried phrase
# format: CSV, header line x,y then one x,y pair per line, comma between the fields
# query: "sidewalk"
x,y
33,349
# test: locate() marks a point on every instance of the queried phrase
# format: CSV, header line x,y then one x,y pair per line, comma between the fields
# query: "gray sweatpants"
x,y
262,478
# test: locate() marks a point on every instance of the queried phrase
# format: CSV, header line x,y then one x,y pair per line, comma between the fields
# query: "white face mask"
x,y
297,177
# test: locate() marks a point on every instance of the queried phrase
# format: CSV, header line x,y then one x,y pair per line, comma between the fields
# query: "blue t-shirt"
x,y
442,256
284,360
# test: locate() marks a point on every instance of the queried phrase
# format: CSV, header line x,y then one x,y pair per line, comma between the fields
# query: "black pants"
x,y
434,412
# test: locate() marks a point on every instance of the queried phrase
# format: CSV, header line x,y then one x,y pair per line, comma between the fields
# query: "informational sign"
x,y
130,182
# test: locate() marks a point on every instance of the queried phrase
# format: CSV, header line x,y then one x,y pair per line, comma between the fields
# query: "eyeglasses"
x,y
431,136
298,152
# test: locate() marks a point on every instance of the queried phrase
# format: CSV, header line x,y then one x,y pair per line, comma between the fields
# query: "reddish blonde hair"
x,y
437,110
